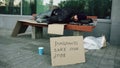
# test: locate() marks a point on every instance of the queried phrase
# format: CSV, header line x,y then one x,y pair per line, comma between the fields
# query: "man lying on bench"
x,y
63,15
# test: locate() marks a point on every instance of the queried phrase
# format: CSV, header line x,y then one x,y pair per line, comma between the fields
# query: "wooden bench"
x,y
37,28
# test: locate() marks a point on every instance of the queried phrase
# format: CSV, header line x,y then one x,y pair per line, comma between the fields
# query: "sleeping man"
x,y
63,15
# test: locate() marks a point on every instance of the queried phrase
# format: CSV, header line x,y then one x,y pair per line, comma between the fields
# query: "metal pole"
x,y
21,8
51,4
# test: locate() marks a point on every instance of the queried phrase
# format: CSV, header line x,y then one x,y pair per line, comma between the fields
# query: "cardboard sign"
x,y
56,29
67,50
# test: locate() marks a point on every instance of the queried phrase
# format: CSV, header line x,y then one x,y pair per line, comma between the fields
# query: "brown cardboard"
x,y
56,29
67,50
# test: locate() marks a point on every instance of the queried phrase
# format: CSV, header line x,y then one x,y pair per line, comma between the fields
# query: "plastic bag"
x,y
91,42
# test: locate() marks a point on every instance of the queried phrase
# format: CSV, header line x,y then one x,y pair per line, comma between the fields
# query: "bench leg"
x,y
19,28
77,33
37,32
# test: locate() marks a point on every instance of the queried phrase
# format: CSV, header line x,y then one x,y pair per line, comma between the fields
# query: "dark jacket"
x,y
61,15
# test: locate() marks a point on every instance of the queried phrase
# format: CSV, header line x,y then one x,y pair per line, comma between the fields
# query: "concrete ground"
x,y
22,52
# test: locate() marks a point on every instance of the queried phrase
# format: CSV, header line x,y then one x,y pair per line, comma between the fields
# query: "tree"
x,y
76,4
100,8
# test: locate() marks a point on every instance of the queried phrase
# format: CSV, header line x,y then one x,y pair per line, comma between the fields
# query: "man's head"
x,y
82,16
75,18
78,17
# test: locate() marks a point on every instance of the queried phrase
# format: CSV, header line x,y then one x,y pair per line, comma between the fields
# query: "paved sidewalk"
x,y
22,52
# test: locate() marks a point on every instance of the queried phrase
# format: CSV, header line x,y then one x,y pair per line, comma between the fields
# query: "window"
x,y
18,7
100,8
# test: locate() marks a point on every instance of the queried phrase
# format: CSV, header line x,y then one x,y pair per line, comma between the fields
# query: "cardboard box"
x,y
67,50
56,29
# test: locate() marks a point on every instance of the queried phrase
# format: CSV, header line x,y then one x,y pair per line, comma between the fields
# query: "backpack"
x,y
61,15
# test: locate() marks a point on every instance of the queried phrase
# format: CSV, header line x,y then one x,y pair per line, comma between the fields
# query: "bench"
x,y
37,28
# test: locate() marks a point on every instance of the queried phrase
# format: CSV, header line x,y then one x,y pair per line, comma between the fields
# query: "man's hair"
x,y
82,16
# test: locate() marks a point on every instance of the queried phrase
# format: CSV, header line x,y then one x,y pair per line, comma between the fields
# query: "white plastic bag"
x,y
91,42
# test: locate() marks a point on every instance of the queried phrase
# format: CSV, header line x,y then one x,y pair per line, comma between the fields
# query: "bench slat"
x,y
84,28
